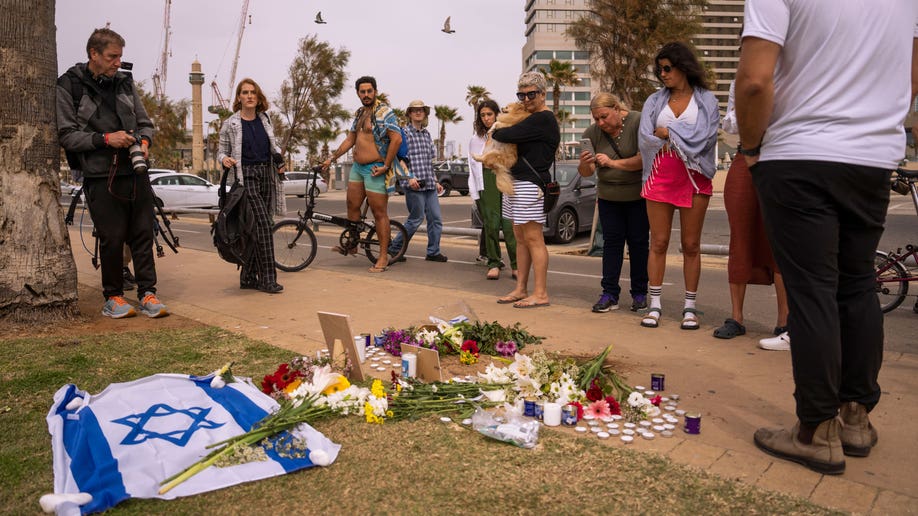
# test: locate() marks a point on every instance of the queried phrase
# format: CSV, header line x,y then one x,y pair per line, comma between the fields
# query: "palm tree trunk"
x,y
38,276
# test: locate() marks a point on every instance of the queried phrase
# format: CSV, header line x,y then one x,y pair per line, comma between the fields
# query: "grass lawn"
x,y
415,467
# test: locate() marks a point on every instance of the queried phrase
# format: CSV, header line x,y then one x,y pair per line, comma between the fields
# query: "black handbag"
x,y
551,190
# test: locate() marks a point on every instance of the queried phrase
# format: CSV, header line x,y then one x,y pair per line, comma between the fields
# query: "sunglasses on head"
x,y
664,68
521,95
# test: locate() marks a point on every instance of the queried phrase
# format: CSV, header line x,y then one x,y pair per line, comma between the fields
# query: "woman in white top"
x,y
677,139
483,187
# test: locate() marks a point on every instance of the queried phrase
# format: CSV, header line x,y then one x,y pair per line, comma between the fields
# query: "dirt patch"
x,y
91,321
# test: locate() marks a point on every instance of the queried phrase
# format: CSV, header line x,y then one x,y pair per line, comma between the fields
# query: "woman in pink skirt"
x,y
677,139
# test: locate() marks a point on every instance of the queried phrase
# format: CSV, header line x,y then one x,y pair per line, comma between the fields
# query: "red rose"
x,y
656,400
594,393
614,407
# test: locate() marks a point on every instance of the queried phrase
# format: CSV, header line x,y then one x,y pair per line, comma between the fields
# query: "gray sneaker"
x,y
606,303
151,307
117,308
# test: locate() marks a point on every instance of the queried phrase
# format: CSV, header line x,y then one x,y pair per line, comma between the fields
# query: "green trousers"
x,y
489,206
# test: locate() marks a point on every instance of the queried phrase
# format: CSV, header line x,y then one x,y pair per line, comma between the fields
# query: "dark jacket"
x,y
80,129
536,138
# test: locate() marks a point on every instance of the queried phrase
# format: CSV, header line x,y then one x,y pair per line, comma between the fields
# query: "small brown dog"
x,y
497,156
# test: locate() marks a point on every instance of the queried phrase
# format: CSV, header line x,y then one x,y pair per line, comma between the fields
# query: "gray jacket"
x,y
231,145
80,129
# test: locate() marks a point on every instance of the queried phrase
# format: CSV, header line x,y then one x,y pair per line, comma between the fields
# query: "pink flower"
x,y
598,409
656,400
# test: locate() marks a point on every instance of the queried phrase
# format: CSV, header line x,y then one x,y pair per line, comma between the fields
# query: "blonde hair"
x,y
607,100
536,79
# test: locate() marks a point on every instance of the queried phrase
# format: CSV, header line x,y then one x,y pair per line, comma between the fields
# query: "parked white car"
x,y
183,190
297,181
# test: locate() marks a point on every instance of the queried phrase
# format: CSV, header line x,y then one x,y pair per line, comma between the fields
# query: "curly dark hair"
x,y
683,58
479,126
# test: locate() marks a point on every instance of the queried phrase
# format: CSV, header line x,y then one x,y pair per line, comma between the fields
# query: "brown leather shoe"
x,y
823,455
857,435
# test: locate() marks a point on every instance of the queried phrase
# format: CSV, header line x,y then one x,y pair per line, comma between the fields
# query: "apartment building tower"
x,y
547,21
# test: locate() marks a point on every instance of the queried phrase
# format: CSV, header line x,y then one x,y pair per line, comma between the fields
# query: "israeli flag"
x,y
124,441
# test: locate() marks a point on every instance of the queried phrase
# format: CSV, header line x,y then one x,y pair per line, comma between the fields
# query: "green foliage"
x,y
475,94
487,334
306,99
169,120
445,115
558,74
624,36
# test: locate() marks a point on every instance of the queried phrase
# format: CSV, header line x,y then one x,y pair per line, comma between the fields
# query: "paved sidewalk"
x,y
734,385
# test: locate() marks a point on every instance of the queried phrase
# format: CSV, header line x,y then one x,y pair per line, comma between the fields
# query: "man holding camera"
x,y
104,128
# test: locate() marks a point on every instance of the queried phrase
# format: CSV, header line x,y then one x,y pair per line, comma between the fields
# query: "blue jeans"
x,y
624,221
421,204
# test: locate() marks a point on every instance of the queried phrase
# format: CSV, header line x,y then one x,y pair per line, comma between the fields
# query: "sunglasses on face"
x,y
664,68
523,95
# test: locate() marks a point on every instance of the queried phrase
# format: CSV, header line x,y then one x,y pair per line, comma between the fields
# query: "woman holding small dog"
x,y
622,211
537,138
677,138
483,186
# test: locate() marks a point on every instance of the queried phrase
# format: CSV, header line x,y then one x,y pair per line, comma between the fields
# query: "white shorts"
x,y
525,205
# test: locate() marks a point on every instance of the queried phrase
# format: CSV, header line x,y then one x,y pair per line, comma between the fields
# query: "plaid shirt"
x,y
421,153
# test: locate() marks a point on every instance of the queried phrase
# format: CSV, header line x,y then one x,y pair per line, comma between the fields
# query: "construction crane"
x,y
159,75
218,100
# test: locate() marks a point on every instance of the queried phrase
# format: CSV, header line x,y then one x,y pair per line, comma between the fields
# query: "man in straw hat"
x,y
421,187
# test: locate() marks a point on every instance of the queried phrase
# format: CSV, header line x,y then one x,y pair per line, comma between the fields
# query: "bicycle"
x,y
893,272
295,242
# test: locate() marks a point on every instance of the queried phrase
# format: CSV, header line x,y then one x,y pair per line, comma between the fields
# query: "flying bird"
x,y
319,18
446,28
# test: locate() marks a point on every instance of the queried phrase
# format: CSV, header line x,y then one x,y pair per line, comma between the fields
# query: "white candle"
x,y
551,414
361,348
409,365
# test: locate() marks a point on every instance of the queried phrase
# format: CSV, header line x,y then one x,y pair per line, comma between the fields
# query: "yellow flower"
x,y
371,417
339,384
377,389
292,386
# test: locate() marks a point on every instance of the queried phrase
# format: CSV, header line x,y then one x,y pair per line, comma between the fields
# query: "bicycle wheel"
x,y
294,245
371,244
892,284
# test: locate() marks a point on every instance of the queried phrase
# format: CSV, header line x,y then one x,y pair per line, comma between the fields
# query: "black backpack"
x,y
234,228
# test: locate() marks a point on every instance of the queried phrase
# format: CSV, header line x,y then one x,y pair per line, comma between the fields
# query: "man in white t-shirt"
x,y
822,90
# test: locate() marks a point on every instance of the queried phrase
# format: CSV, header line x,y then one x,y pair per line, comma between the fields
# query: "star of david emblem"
x,y
161,421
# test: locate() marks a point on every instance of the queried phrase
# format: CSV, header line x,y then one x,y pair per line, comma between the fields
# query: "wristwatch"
x,y
750,152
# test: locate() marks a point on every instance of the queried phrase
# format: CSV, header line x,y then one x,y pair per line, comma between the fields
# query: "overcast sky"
x,y
397,41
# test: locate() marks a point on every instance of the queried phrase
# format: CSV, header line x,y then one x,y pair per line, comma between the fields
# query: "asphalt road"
x,y
573,277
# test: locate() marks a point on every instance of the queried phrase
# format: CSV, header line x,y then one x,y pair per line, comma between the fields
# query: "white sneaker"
x,y
779,343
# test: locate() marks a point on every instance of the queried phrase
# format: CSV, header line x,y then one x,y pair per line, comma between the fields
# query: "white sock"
x,y
655,294
690,299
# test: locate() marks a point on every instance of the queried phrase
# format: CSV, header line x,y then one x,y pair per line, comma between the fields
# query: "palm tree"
x,y
445,115
558,74
400,115
325,134
563,117
475,94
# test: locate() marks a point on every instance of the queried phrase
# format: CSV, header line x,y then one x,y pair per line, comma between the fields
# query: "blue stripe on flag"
x,y
92,465
247,413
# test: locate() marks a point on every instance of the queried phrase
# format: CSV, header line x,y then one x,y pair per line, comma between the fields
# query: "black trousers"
x,y
259,188
123,213
824,221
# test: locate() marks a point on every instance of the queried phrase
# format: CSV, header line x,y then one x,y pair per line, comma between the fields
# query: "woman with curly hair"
x,y
677,139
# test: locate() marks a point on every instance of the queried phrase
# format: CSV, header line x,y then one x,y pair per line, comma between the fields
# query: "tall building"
x,y
547,21
718,43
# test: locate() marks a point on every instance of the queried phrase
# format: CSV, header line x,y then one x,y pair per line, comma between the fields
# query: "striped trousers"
x,y
259,188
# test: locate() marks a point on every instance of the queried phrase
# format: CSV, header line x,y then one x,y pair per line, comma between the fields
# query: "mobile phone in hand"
x,y
587,145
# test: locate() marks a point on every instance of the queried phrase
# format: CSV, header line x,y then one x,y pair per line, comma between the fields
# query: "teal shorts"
x,y
364,174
